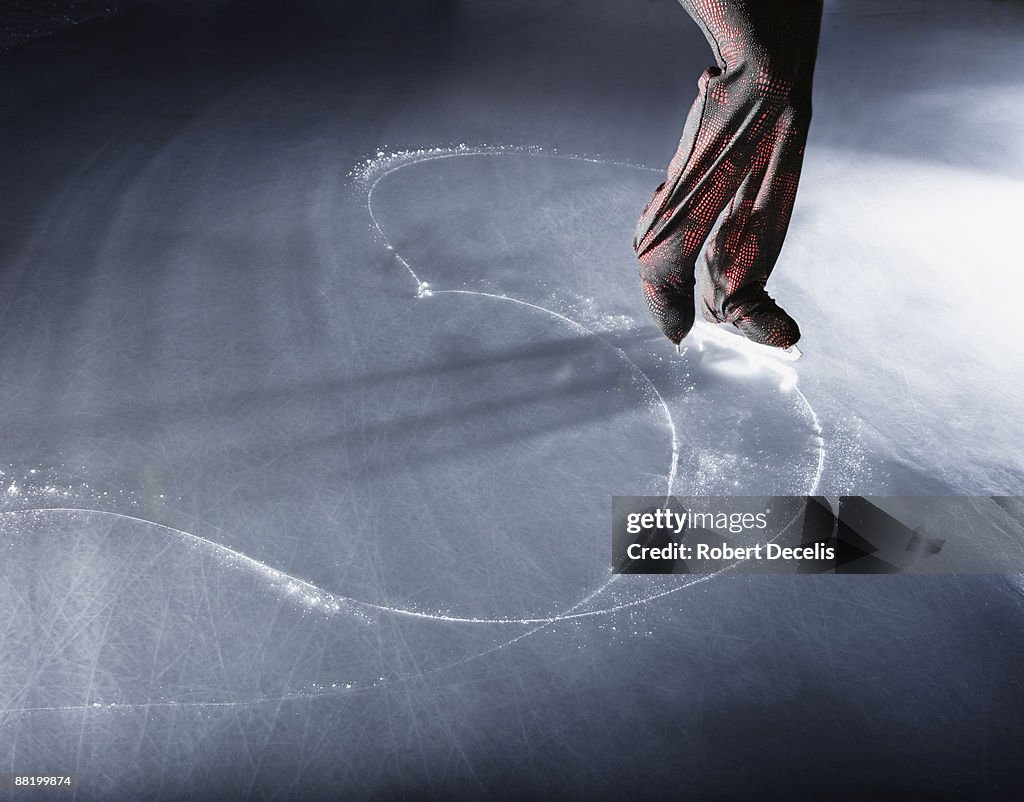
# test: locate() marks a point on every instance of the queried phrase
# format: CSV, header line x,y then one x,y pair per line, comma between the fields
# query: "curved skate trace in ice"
x,y
717,351
589,311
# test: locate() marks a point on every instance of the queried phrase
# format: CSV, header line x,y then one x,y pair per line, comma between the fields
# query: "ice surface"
x,y
312,416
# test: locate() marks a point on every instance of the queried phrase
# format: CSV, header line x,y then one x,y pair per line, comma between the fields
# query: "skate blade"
x,y
791,354
730,340
732,337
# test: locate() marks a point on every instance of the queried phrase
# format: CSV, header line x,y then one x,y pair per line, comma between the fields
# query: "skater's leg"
x,y
742,252
759,56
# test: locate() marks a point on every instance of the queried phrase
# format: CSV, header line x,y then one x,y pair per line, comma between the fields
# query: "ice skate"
x,y
668,286
671,306
766,327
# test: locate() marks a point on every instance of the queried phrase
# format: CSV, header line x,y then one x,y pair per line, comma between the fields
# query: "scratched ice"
x,y
315,436
522,351
527,360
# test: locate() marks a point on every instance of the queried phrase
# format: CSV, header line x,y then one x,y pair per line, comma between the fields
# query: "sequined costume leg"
x,y
742,147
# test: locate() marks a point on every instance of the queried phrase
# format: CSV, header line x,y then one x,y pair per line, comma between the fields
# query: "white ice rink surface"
x,y
313,415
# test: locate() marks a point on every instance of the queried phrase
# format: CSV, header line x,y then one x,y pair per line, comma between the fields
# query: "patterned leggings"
x,y
742,148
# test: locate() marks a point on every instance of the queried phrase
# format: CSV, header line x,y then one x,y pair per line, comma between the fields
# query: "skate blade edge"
x,y
734,339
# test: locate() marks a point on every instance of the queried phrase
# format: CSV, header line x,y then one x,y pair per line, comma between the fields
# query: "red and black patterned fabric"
x,y
740,153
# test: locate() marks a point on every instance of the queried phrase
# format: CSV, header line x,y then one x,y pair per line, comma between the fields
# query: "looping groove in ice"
x,y
531,245
541,298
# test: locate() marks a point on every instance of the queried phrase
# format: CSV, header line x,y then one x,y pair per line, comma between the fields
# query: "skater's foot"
x,y
760,320
671,305
667,280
